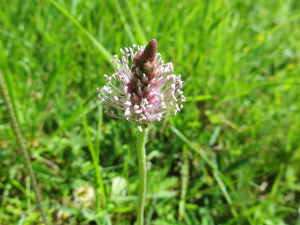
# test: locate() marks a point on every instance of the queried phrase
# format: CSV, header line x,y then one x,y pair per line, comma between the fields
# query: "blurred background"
x,y
239,61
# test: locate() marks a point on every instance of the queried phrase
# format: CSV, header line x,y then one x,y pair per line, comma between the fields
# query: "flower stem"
x,y
22,146
141,152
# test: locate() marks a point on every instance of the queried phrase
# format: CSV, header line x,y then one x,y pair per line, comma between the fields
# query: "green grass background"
x,y
231,156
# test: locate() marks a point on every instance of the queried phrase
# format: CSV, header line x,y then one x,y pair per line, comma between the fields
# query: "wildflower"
x,y
84,194
290,66
147,91
261,37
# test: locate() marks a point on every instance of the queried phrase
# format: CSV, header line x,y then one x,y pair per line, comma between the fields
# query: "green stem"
x,y
22,146
141,152
185,179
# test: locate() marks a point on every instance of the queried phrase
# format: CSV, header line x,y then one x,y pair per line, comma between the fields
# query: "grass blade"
x,y
140,33
185,178
125,24
228,199
100,117
219,173
71,118
105,53
95,163
51,84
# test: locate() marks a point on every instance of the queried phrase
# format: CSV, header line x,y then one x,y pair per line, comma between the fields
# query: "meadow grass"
x,y
231,156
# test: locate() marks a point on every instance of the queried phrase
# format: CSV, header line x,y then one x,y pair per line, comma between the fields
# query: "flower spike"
x,y
147,89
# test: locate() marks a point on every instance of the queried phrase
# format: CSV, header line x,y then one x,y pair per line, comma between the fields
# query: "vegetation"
x,y
231,156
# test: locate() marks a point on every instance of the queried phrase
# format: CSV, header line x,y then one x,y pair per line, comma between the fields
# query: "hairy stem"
x,y
141,152
22,146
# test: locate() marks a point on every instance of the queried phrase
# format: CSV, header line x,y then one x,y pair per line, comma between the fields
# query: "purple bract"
x,y
147,91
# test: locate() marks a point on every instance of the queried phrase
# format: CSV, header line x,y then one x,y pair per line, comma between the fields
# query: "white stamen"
x,y
127,112
108,89
180,84
128,103
179,91
162,96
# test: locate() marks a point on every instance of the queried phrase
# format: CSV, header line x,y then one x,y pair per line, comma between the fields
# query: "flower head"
x,y
84,194
147,91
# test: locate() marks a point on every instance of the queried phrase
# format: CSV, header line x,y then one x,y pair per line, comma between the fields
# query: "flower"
x,y
84,194
148,91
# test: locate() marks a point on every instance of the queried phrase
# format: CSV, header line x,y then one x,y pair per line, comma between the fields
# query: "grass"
x,y
234,148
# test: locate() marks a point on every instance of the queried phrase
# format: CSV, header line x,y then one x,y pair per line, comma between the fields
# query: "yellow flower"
x,y
290,66
260,37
